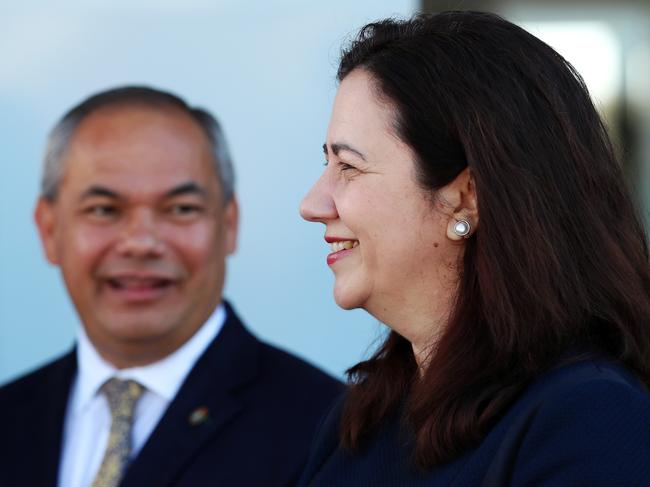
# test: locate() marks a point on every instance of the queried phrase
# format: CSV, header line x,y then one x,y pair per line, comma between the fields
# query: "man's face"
x,y
139,231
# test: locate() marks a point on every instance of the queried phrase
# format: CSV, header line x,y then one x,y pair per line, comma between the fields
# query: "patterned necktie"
x,y
122,397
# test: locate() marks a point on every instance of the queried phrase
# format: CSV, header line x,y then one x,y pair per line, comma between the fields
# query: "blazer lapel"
x,y
203,406
42,421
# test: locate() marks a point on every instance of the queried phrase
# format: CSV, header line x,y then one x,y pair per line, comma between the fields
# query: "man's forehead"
x,y
135,120
167,133
139,146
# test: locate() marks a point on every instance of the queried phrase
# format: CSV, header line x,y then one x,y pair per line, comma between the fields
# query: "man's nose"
x,y
140,237
318,204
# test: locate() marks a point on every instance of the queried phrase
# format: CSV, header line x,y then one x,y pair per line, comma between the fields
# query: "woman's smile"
x,y
340,248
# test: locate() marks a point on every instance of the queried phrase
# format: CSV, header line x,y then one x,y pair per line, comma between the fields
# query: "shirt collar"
x,y
162,378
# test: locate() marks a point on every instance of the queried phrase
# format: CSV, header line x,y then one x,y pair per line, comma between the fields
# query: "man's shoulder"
x,y
291,370
277,367
53,374
295,394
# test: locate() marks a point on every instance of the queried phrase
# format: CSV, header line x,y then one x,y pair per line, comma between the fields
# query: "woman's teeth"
x,y
344,245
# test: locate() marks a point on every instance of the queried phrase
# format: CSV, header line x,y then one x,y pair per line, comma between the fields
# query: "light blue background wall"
x,y
266,69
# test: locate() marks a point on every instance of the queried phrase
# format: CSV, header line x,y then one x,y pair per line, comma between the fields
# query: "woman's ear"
x,y
463,221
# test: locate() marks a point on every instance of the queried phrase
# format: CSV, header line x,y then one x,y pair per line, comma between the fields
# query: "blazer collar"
x,y
203,405
44,420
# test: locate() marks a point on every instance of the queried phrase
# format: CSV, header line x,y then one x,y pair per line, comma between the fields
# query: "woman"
x,y
474,205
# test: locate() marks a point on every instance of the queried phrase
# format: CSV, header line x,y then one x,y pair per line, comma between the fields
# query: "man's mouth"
x,y
137,283
139,290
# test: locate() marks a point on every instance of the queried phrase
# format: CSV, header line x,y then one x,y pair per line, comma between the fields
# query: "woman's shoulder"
x,y
583,370
586,423
583,423
326,440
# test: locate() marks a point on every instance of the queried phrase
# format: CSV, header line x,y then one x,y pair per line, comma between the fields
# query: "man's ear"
x,y
231,225
45,218
463,221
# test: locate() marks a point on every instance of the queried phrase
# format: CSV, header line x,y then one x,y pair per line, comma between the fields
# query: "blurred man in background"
x,y
165,385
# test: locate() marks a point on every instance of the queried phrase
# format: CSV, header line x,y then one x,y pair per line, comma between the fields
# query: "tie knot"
x,y
122,396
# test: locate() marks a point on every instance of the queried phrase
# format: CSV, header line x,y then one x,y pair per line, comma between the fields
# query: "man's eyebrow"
x,y
338,147
97,190
186,188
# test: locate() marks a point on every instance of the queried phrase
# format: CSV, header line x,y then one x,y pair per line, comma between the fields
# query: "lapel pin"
x,y
198,416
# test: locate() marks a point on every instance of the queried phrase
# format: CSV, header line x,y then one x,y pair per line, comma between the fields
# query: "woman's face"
x,y
390,252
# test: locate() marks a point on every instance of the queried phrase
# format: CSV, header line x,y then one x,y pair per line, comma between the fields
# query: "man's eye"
x,y
185,209
101,210
345,166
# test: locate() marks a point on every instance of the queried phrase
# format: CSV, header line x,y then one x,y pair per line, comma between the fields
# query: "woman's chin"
x,y
345,305
347,298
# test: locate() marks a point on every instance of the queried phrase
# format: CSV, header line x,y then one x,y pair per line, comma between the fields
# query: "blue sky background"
x,y
266,69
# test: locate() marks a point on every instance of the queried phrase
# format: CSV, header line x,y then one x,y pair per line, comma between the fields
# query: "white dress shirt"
x,y
88,417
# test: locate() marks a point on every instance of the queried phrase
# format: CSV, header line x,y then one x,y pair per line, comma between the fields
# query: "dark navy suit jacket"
x,y
585,424
263,408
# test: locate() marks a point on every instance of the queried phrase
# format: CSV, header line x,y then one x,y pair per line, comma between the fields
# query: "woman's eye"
x,y
345,167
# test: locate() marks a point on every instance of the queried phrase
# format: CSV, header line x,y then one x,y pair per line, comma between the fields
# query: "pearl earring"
x,y
462,228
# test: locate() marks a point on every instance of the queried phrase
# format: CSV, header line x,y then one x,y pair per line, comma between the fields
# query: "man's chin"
x,y
131,344
134,328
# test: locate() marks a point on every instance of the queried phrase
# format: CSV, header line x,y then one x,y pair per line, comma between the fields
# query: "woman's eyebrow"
x,y
337,147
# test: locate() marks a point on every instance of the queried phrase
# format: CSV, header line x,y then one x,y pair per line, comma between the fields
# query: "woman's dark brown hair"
x,y
559,261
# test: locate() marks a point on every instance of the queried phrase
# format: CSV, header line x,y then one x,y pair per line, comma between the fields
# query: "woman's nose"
x,y
318,204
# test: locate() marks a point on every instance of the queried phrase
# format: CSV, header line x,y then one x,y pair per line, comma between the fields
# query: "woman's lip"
x,y
335,256
338,239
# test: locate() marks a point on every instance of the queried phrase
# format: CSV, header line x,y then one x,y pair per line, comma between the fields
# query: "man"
x,y
165,385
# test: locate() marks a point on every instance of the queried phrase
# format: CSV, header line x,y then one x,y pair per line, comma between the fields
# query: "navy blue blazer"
x,y
585,424
263,408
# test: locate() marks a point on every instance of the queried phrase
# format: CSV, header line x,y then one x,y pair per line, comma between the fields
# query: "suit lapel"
x,y
44,422
203,406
